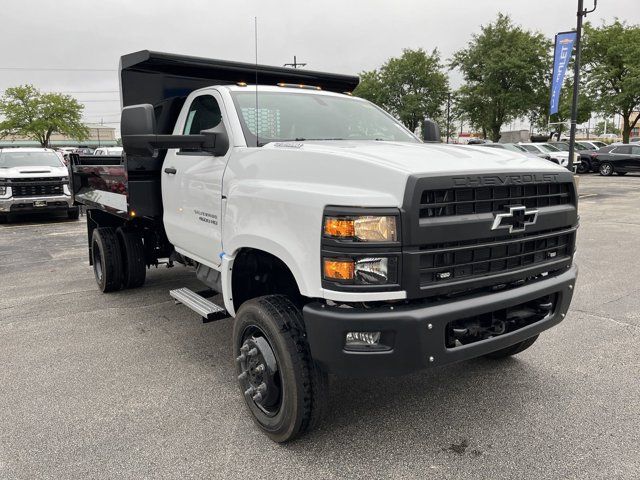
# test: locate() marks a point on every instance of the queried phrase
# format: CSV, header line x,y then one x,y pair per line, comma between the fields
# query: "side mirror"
x,y
138,120
139,138
430,131
216,140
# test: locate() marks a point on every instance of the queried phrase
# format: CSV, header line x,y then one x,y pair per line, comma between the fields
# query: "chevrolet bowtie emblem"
x,y
516,220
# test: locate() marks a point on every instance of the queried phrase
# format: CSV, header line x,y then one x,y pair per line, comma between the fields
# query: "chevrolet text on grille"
x,y
489,180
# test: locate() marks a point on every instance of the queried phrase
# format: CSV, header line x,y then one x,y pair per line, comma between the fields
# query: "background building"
x,y
99,136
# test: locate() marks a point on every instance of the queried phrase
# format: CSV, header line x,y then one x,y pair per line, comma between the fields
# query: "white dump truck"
x,y
339,242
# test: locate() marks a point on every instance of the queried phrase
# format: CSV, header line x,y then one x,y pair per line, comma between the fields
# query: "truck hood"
x,y
420,158
31,172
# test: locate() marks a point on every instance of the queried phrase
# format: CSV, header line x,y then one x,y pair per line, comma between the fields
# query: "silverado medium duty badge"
x,y
516,219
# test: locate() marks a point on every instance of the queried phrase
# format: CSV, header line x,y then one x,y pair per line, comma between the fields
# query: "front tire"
x,y
513,349
582,167
107,259
606,169
283,388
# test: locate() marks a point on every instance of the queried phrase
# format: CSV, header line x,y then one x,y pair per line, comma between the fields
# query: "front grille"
x,y
36,187
455,261
467,201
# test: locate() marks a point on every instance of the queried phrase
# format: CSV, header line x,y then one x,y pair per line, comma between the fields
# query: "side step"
x,y
209,311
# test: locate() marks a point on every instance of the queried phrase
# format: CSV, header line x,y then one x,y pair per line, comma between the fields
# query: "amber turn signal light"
x,y
338,269
339,227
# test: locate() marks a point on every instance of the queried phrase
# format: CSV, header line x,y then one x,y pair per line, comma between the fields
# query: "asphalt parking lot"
x,y
129,385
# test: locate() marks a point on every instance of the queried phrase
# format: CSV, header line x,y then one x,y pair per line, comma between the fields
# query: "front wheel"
x,y
283,388
606,169
513,349
582,167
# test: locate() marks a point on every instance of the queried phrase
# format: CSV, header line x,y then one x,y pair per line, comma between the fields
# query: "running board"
x,y
209,311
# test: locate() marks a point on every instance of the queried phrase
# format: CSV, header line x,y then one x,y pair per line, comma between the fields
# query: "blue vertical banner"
x,y
561,57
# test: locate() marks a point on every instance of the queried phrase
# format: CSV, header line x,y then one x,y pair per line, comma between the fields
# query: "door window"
x,y
635,150
625,150
204,113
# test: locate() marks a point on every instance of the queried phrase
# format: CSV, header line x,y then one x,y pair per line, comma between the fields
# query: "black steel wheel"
x,y
513,349
134,267
106,259
283,388
606,169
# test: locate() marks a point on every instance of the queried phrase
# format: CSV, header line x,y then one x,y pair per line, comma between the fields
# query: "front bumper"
x,y
418,330
28,204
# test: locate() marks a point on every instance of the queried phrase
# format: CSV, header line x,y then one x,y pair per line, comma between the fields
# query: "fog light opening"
x,y
362,339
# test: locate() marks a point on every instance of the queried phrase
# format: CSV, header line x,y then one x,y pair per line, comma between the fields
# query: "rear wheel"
x,y
134,268
107,259
513,349
606,169
283,388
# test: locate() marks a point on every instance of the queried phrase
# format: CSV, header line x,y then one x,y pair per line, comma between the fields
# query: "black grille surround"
x,y
37,187
449,246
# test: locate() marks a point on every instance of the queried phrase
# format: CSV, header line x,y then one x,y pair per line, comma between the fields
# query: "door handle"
x,y
170,170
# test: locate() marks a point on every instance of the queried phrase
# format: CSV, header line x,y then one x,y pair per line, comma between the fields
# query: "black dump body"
x,y
164,80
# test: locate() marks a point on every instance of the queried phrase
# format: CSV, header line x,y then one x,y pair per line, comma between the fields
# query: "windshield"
x,y
548,148
286,116
29,159
514,148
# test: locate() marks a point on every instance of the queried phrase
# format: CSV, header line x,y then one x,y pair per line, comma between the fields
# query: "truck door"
x,y
192,185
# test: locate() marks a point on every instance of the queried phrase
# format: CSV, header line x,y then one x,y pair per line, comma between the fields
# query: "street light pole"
x,y
576,78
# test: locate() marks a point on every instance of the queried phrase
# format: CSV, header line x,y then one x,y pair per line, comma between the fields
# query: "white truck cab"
x,y
339,241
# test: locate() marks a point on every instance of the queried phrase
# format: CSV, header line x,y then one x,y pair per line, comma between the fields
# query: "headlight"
x,y
361,271
361,228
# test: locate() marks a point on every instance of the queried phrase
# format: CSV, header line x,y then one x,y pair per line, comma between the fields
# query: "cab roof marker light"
x,y
242,84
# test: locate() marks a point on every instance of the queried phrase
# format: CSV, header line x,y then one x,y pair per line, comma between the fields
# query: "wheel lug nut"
x,y
244,348
253,352
257,397
260,368
241,358
249,392
242,376
262,388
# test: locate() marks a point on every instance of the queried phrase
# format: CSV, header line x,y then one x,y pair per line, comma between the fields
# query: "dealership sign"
x,y
564,47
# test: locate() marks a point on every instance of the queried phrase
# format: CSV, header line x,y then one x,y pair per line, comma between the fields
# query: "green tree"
x,y
611,127
411,87
562,119
504,68
611,56
29,113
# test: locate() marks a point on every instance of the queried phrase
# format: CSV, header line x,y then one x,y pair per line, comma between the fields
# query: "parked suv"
x,y
34,180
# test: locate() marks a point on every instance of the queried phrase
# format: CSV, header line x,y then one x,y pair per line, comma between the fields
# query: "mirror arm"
x,y
145,145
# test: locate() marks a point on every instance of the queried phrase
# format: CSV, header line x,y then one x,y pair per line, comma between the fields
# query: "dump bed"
x,y
131,185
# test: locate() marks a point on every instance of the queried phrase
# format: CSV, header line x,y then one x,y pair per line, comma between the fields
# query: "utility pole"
x,y
295,63
582,12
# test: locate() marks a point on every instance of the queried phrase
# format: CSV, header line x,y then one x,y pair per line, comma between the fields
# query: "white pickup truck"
x,y
34,180
339,241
